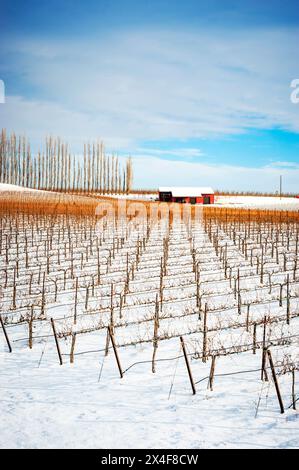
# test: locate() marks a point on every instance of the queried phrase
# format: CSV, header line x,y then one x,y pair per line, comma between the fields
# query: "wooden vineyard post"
x,y
262,266
86,297
288,299
98,266
264,374
161,285
254,339
198,297
264,353
188,366
56,290
111,304
270,282
107,343
239,304
30,334
115,351
5,334
56,341
275,381
111,323
280,295
30,283
14,292
204,341
155,338
76,300
72,348
121,299
293,390
235,287
212,372
30,328
247,317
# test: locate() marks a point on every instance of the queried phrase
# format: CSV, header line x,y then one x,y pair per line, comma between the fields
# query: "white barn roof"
x,y
185,192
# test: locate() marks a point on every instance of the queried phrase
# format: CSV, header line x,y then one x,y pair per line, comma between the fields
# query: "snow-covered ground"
x,y
15,188
45,405
86,404
259,202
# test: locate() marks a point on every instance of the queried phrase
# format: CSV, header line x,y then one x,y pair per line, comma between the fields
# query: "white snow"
x,y
259,202
67,406
12,187
15,188
87,404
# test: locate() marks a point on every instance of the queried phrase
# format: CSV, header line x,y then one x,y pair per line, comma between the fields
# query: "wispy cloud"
x,y
181,153
151,171
147,85
284,165
159,84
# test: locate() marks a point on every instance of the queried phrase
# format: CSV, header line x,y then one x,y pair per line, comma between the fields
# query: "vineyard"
x,y
200,309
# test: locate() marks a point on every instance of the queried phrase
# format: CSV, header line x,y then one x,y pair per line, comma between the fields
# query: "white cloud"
x,y
152,172
182,152
160,84
36,119
278,164
150,169
152,85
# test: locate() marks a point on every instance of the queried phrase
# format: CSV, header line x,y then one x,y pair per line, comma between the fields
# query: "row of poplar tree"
x,y
56,169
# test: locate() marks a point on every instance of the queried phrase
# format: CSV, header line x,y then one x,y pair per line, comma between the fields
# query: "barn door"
x,y
206,200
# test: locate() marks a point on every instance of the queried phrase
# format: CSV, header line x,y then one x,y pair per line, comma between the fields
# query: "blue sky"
x,y
198,92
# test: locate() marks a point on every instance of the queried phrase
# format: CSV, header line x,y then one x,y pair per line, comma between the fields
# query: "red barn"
x,y
200,195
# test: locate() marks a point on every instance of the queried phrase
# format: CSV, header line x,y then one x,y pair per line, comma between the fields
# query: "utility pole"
x,y
280,186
